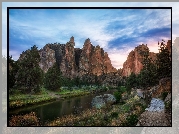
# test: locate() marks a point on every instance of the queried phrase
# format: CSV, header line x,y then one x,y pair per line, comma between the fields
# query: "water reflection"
x,y
50,111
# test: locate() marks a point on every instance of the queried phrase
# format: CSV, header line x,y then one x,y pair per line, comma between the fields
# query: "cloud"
x,y
119,56
109,29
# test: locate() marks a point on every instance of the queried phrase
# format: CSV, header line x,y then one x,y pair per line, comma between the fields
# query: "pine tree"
x,y
148,75
53,79
163,61
13,69
131,82
29,78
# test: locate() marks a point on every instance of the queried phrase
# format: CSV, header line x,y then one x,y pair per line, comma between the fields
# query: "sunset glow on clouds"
x,y
117,31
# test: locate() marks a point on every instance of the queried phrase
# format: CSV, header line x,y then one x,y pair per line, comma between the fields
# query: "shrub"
x,y
132,120
118,96
164,95
114,114
24,120
53,79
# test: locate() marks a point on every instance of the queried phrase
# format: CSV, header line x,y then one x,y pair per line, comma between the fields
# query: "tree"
x,y
148,75
77,81
163,61
29,78
13,69
131,82
53,79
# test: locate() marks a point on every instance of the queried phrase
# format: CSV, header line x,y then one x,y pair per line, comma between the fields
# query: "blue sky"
x,y
117,31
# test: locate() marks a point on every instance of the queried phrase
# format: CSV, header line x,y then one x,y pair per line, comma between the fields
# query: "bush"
x,y
121,89
53,79
24,120
118,96
132,120
164,95
114,114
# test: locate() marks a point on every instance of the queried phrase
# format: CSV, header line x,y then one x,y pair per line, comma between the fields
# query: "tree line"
x,y
152,71
27,76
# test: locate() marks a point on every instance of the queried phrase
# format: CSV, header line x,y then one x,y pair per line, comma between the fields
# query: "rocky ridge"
x,y
134,60
90,60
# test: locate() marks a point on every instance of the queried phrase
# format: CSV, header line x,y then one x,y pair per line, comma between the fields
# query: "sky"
x,y
117,31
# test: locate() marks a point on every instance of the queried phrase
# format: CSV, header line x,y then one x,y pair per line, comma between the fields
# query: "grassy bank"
x,y
74,93
17,100
110,115
21,100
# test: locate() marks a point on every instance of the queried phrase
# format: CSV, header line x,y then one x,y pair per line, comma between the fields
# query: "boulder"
x,y
100,101
156,105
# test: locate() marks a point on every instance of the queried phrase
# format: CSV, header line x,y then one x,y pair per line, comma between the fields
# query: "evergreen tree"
x,y
163,61
77,81
13,69
131,82
29,78
148,75
53,79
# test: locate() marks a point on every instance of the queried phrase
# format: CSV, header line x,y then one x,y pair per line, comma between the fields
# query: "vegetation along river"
x,y
52,110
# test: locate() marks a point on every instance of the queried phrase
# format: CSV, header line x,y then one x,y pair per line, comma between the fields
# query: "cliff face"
x,y
134,60
73,62
47,57
90,60
94,60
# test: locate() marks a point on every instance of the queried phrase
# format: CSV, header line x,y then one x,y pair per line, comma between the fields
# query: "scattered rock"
x,y
149,118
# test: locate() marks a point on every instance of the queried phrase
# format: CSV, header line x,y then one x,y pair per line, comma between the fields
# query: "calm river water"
x,y
52,110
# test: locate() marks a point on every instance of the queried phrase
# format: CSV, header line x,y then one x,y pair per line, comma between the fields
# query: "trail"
x,y
53,94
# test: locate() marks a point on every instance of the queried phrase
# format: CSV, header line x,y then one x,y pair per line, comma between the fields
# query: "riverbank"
x,y
20,100
110,115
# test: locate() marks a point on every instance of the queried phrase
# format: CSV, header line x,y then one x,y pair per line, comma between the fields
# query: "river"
x,y
50,111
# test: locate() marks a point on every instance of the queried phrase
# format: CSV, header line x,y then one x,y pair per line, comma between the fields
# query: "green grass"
x,y
73,93
20,100
16,101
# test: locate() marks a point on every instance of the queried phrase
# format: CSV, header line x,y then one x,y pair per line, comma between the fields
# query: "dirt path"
x,y
140,92
53,94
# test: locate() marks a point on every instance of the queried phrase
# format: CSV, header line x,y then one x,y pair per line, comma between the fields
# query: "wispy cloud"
x,y
111,29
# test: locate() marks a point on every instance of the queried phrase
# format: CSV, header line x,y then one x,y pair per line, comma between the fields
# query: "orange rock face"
x,y
73,62
94,60
134,60
68,66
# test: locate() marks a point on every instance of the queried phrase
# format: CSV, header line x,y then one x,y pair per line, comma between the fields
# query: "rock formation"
x,y
90,61
134,60
94,60
75,62
47,58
